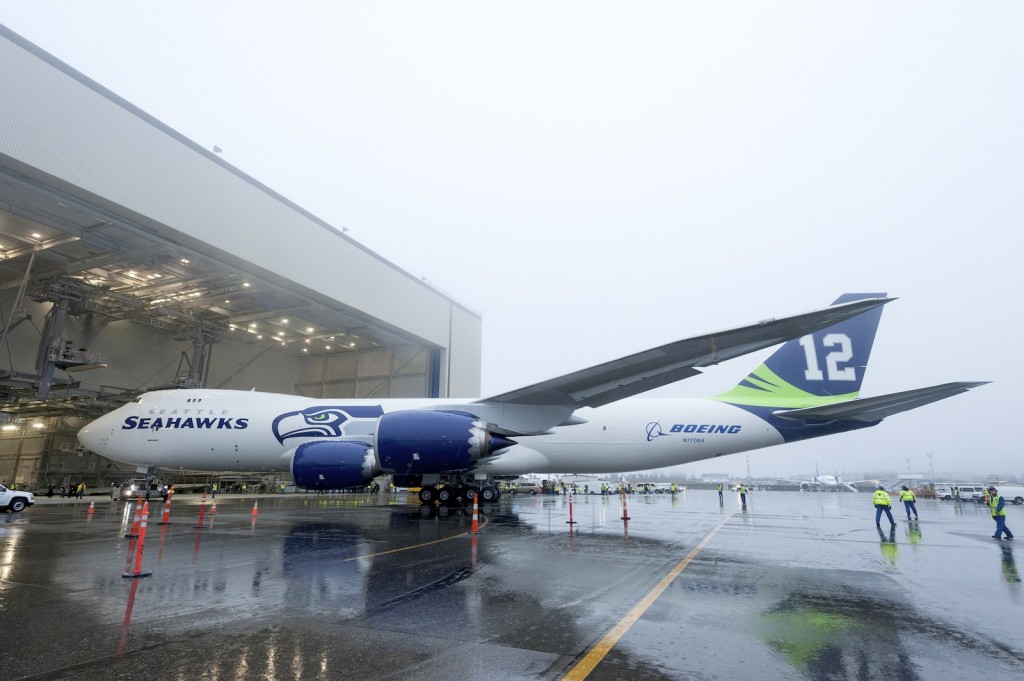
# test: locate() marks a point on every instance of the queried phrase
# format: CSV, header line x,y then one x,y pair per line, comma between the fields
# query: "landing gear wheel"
x,y
444,495
428,494
470,493
489,493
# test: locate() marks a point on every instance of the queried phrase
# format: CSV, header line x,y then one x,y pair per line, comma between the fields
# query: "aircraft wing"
x,y
541,406
873,409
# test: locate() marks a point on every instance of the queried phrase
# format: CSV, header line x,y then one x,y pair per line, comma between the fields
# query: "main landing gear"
x,y
459,491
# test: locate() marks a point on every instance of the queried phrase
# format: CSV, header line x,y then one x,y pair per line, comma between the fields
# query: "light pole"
x,y
931,464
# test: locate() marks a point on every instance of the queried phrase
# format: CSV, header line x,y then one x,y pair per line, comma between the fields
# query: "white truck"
x,y
15,500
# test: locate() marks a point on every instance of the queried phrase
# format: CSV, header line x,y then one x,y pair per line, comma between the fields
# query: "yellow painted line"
x,y
480,525
605,645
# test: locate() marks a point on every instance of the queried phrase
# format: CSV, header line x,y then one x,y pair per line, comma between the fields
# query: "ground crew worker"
x,y
720,498
997,505
213,490
743,495
907,497
956,494
882,502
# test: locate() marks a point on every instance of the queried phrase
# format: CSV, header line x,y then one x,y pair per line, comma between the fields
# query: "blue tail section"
x,y
821,368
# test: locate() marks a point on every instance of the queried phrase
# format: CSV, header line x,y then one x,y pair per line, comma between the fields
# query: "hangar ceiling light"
x,y
126,270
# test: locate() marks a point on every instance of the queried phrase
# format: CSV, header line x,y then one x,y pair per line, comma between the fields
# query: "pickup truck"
x,y
15,500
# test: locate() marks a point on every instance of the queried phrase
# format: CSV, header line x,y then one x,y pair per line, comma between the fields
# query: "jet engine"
x,y
410,442
334,465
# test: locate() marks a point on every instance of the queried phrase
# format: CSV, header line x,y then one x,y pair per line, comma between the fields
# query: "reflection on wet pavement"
x,y
315,587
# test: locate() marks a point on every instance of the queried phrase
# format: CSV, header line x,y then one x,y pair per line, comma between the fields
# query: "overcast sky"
x,y
598,178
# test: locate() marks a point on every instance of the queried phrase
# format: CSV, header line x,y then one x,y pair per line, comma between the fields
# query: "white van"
x,y
972,491
1012,493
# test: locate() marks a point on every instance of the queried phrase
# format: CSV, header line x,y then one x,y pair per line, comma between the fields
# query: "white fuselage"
x,y
225,430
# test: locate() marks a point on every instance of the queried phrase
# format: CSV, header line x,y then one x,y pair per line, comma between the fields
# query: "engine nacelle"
x,y
410,442
334,465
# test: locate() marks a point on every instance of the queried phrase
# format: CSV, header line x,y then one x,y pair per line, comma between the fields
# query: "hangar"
x,y
133,259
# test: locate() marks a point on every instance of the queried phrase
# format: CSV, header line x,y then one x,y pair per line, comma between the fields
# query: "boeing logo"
x,y
703,428
654,429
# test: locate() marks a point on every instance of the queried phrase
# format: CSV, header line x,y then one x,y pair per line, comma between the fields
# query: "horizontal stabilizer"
x,y
873,409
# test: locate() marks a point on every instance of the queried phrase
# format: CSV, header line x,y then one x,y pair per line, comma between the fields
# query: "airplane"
x,y
832,483
587,421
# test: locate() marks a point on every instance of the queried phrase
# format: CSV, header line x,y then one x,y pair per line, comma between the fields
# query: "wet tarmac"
x,y
797,586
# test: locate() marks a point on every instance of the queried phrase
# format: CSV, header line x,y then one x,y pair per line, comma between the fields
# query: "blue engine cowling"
x,y
409,442
333,465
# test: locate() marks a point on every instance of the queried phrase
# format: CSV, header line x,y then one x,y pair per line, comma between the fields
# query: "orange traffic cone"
x,y
166,520
255,510
213,509
92,507
474,528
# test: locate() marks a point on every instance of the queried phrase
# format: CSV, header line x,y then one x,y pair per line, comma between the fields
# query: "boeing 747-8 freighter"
x,y
588,421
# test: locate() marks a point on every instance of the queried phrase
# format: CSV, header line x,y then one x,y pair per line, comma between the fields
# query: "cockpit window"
x,y
137,400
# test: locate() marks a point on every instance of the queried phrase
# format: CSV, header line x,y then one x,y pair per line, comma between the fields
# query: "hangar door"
x,y
384,372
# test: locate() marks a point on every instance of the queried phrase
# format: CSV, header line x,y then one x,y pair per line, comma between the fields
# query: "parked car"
x,y
133,489
15,500
529,488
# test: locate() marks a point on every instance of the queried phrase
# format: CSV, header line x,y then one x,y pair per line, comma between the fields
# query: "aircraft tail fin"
x,y
821,368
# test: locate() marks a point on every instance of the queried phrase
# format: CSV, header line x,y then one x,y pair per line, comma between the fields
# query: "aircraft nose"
x,y
95,434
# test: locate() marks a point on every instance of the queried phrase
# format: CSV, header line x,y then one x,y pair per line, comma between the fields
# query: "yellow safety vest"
x,y
906,495
993,502
881,498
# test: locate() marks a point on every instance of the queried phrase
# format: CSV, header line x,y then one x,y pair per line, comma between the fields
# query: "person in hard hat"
x,y
882,502
997,505
907,497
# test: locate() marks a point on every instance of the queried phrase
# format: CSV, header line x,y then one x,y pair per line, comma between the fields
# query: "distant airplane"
x,y
829,482
576,423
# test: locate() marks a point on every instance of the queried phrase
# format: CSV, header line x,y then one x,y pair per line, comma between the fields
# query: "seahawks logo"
x,y
324,421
